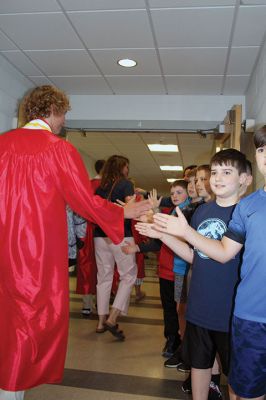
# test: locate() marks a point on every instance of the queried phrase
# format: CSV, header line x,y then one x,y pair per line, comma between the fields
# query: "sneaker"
x,y
85,312
182,367
173,361
166,353
186,385
214,392
169,347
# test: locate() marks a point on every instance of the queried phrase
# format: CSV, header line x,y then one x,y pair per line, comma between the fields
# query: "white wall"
x,y
89,164
13,86
256,100
171,108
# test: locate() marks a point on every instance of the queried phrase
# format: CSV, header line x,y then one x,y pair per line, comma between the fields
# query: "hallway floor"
x,y
100,367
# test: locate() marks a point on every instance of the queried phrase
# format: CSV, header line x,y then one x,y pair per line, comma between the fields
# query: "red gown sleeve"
x,y
73,182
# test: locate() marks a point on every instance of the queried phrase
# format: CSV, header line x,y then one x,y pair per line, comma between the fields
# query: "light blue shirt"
x,y
248,226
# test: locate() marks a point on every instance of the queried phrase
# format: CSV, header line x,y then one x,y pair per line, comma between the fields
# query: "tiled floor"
x,y
99,367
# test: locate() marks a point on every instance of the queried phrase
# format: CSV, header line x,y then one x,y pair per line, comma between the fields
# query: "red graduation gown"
x,y
87,268
39,174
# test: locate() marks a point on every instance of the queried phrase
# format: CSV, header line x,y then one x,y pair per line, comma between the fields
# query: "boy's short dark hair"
x,y
190,167
260,137
230,157
99,165
204,167
179,182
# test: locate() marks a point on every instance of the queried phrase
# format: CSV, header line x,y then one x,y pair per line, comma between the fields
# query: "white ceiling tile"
x,y
124,138
17,58
168,159
193,85
162,137
136,84
189,3
40,31
193,61
65,62
235,85
120,29
88,5
193,27
40,80
250,26
147,62
5,43
82,85
253,2
192,34
24,6
242,60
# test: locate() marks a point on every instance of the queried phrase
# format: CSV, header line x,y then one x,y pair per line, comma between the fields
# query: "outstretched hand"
x,y
129,248
170,224
132,199
134,209
148,230
155,202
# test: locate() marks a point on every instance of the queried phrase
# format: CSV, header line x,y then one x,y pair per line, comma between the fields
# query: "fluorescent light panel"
x,y
163,147
171,167
170,180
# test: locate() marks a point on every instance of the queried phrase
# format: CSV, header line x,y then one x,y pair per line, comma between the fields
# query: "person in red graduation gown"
x,y
39,174
86,263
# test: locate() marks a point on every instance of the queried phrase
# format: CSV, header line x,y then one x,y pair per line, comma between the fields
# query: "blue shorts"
x,y
247,375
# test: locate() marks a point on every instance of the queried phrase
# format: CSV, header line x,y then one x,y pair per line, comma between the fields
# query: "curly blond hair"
x,y
42,100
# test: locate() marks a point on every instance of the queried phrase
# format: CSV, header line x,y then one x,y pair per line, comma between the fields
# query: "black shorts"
x,y
200,345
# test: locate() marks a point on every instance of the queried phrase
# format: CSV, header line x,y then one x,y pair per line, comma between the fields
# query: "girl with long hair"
x,y
115,185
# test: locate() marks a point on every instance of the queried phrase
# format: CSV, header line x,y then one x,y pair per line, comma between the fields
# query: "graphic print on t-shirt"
x,y
213,228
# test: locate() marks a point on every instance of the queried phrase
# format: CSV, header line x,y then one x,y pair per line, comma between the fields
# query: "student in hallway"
x,y
115,185
213,285
172,271
248,359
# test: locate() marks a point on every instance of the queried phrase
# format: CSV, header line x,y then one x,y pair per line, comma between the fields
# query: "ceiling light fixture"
x,y
170,180
171,167
127,62
163,147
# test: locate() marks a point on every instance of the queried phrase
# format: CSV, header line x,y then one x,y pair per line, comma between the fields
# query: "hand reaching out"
x,y
130,200
170,224
154,201
130,248
148,230
133,209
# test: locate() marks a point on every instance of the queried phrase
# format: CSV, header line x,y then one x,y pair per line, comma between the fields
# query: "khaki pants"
x,y
5,395
107,254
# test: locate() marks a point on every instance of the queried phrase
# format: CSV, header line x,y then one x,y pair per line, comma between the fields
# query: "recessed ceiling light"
x,y
170,180
163,147
127,62
171,167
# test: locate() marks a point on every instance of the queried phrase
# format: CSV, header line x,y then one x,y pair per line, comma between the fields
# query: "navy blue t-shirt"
x,y
213,285
120,191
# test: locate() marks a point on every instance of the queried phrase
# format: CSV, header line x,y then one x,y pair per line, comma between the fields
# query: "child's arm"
x,y
221,251
143,247
178,246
